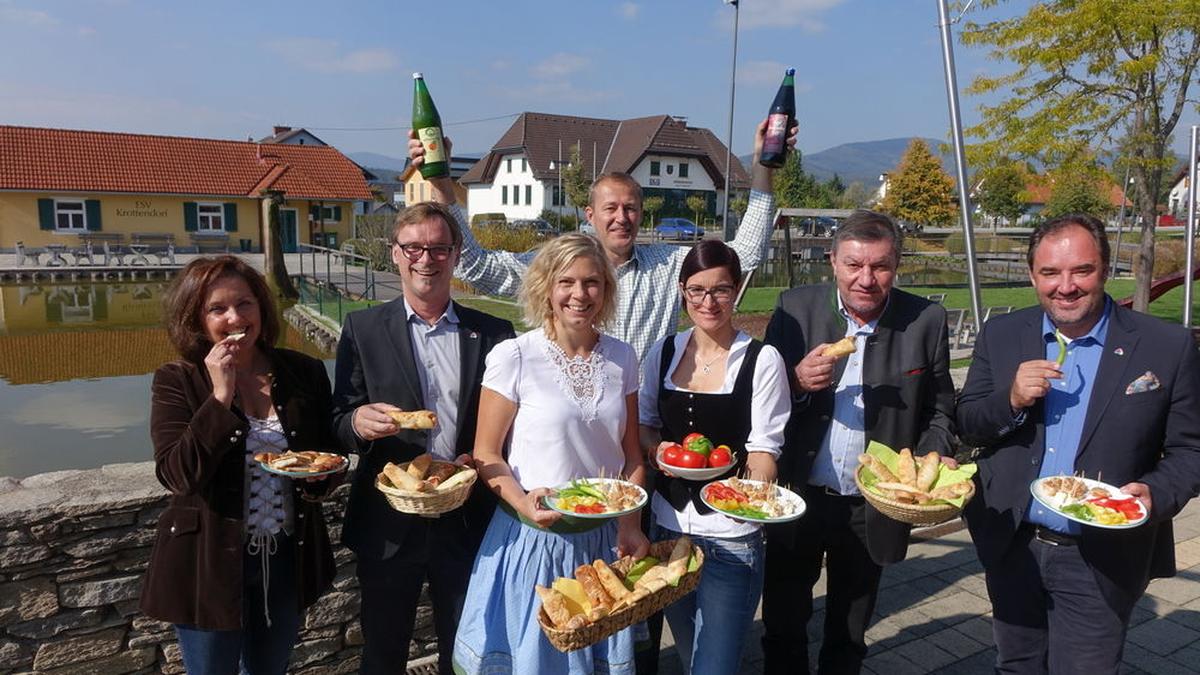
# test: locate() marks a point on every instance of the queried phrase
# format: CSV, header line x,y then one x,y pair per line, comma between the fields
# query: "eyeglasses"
x,y
438,252
696,294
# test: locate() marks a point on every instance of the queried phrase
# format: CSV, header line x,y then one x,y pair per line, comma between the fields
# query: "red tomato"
x,y
720,456
691,460
670,454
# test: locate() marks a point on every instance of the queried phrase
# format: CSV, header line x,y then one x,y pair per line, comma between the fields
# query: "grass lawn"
x,y
504,310
1168,307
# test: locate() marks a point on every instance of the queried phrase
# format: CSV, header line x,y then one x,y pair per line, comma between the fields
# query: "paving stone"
x,y
925,654
1187,553
917,622
978,628
1162,637
956,605
981,662
958,645
1153,663
1176,590
893,663
1188,656
898,598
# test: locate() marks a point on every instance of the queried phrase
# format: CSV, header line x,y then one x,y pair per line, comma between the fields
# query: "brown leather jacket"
x,y
195,572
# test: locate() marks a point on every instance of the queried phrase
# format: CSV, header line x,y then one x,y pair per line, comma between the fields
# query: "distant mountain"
x,y
377,160
863,161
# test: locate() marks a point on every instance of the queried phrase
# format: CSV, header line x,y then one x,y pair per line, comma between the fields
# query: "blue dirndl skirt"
x,y
499,632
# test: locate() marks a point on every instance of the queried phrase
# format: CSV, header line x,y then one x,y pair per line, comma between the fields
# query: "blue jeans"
x,y
257,648
712,623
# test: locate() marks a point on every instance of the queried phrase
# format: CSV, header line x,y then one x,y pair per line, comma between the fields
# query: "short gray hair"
x,y
866,225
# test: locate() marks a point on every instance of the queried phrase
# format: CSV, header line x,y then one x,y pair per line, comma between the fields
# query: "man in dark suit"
x,y
1124,407
419,351
896,390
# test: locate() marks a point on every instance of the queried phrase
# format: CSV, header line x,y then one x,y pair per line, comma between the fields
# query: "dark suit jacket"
x,y
375,365
908,395
195,572
1152,437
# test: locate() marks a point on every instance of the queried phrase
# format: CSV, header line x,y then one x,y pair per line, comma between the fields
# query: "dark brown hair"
x,y
184,301
1090,224
422,211
710,254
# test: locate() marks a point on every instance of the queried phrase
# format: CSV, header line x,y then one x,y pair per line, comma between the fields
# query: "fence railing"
x,y
335,282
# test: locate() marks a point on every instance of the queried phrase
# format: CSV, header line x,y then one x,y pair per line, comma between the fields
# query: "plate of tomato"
x,y
696,458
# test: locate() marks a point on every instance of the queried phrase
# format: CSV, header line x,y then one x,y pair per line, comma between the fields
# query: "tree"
x,y
651,206
575,180
1083,74
739,205
697,203
796,189
1077,188
919,190
1001,192
277,274
855,196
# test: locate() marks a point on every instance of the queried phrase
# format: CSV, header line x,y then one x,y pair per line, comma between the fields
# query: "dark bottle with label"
x,y
428,126
779,120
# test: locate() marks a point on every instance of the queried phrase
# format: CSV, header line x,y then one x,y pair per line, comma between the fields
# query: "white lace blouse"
x,y
571,413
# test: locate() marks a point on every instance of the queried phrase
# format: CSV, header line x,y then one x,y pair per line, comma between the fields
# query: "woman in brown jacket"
x,y
239,552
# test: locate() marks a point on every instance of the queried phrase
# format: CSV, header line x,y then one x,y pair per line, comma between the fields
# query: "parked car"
x,y
540,227
587,228
678,229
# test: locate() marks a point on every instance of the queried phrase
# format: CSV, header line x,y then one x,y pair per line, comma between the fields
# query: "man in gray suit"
x,y
895,389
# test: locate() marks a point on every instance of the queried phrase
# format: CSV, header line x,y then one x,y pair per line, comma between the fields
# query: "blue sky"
x,y
866,69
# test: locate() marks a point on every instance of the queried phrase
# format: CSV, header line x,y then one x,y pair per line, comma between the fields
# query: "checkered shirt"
x,y
647,290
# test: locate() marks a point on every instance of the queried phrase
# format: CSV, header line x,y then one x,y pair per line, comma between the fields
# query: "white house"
x,y
520,177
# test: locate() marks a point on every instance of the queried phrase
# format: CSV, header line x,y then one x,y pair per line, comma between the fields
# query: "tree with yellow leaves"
x,y
919,191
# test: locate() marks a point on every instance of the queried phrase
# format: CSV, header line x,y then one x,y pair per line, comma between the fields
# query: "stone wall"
x,y
73,546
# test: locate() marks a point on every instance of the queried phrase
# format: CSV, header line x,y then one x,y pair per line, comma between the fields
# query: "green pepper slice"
x,y
1062,348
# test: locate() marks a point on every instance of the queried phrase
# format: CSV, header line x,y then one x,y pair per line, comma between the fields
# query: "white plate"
x,y
707,473
551,501
307,474
1112,489
782,494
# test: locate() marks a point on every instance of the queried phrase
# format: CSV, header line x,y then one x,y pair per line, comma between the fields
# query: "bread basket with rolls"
x,y
425,486
918,490
602,599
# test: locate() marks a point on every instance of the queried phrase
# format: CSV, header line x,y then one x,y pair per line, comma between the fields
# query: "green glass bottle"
x,y
428,125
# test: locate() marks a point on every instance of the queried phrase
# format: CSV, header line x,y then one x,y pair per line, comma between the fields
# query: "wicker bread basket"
x,y
570,640
423,503
914,514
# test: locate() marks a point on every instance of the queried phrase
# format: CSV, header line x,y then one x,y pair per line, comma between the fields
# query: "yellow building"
x,y
417,189
65,187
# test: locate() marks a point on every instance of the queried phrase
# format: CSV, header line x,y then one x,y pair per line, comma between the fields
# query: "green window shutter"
x,y
46,214
337,214
191,219
230,217
91,207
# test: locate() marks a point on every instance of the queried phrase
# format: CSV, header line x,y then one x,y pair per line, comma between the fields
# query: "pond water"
x,y
76,362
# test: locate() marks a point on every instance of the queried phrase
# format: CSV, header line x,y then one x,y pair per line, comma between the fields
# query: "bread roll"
x,y
677,564
439,472
419,467
461,476
414,419
600,599
877,467
611,582
402,480
555,605
952,491
906,468
841,348
928,471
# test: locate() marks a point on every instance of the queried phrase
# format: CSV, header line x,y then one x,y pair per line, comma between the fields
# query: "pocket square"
x,y
1147,382
915,371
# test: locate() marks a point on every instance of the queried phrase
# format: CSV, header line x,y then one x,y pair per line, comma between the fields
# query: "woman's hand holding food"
x,y
815,371
630,538
533,509
222,371
372,421
654,457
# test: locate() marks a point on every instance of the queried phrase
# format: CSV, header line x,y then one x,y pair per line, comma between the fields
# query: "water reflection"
x,y
76,362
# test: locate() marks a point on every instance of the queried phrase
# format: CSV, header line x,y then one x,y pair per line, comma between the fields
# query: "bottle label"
x,y
435,147
776,138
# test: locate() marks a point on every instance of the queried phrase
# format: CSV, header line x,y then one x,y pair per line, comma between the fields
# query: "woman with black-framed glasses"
x,y
715,380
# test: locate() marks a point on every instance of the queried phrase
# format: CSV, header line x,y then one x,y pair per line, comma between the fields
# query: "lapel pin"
x,y
473,335
1119,352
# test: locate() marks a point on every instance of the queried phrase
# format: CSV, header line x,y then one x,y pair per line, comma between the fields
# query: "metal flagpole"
x,y
1189,265
729,138
960,158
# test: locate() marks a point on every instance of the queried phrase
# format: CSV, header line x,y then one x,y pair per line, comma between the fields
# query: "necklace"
x,y
706,366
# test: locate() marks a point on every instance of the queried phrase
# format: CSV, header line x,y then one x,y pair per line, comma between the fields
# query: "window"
x,y
211,217
69,215
422,192
523,165
334,213
503,194
508,164
654,168
555,196
683,169
528,193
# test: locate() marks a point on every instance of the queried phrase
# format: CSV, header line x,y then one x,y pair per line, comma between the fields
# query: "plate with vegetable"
x,y
753,501
596,498
1089,502
696,458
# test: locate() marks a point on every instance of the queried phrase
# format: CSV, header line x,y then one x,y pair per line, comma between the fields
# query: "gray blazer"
x,y
907,391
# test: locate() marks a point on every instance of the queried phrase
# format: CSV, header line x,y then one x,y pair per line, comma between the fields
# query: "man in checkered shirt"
x,y
647,274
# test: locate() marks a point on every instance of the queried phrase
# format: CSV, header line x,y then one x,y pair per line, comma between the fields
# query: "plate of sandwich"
x,y
304,464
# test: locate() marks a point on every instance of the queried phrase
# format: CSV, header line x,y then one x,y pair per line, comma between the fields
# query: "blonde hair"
x,y
552,258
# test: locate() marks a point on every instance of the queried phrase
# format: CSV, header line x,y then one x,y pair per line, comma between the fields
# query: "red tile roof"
x,y
40,160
